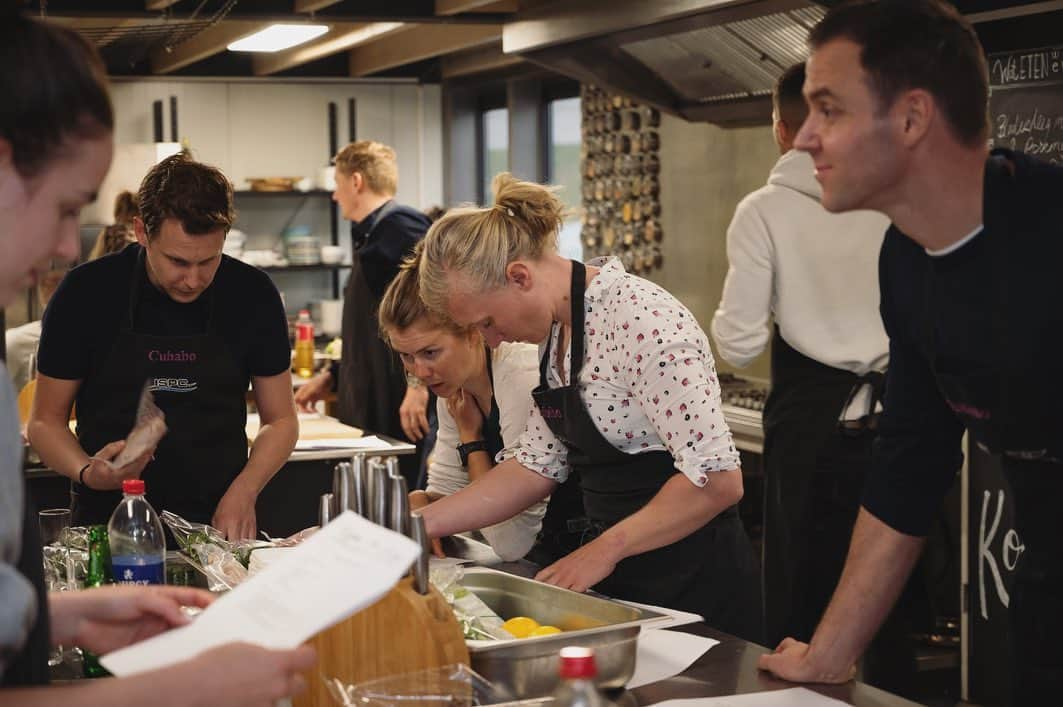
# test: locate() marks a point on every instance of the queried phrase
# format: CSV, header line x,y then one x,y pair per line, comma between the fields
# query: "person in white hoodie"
x,y
815,273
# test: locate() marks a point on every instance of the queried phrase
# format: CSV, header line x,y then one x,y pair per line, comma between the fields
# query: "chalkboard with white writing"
x,y
1026,102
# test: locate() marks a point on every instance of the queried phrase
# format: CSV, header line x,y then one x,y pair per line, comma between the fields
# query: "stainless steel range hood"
x,y
703,60
716,60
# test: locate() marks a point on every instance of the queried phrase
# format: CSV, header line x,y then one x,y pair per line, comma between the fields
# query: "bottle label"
x,y
137,570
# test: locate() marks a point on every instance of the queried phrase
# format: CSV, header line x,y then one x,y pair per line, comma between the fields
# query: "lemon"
x,y
544,631
520,626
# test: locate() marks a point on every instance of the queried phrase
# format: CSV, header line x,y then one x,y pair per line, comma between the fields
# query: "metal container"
x,y
399,512
342,489
528,666
358,485
377,487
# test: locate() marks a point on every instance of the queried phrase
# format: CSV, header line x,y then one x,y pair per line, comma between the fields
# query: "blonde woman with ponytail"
x,y
484,396
628,403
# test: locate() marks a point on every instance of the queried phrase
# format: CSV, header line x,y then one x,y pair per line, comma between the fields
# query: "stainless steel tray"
x,y
528,667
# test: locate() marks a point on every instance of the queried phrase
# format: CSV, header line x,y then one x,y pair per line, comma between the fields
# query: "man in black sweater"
x,y
970,291
370,380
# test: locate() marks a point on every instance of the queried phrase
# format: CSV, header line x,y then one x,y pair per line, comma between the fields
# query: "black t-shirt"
x,y
92,304
944,315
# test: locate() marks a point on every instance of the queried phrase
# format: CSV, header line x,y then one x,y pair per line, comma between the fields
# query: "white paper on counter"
x,y
370,442
665,654
342,568
791,697
675,617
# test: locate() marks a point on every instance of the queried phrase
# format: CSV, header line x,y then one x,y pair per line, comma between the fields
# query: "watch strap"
x,y
464,450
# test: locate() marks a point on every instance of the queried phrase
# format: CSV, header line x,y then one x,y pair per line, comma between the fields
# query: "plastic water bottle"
x,y
304,345
578,672
138,546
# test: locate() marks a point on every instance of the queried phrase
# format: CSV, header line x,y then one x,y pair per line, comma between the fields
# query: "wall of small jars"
x,y
620,164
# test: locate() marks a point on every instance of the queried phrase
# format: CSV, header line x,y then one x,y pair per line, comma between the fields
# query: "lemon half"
x,y
521,626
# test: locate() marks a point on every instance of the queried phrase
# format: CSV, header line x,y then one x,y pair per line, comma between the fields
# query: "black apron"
x,y
30,665
711,572
1006,413
204,398
372,380
813,478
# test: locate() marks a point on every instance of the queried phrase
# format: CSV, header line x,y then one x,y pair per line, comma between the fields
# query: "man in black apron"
x,y
193,325
970,286
370,381
815,274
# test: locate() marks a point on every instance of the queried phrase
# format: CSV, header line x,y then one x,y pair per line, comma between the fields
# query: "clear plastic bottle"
x,y
304,345
138,546
577,687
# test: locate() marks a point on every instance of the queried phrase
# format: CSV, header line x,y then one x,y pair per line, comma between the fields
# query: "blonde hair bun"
x,y
536,206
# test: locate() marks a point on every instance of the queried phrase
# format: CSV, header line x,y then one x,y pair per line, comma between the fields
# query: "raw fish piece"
x,y
150,427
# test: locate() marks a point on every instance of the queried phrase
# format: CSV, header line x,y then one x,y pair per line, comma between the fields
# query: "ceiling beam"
x,y
477,61
312,5
339,38
159,4
417,43
420,11
205,44
453,7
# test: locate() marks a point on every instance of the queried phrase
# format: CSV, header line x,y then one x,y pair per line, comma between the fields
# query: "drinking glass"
x,y
52,522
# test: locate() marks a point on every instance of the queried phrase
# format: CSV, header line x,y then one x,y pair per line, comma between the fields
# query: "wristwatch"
x,y
464,450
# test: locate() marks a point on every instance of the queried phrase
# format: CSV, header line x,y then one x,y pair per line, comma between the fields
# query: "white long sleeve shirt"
x,y
815,272
648,381
515,368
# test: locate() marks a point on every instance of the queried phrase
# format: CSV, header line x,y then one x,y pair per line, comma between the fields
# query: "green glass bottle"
x,y
97,575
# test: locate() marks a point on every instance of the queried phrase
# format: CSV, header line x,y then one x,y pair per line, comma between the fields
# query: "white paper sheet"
x,y
664,654
675,617
370,442
343,568
791,697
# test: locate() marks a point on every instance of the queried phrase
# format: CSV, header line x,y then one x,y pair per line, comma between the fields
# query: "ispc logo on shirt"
x,y
173,385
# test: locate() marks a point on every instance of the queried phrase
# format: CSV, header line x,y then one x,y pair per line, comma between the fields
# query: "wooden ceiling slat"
x,y
418,43
205,44
339,38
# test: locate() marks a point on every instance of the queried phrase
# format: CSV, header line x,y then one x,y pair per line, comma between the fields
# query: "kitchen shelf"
x,y
294,201
303,268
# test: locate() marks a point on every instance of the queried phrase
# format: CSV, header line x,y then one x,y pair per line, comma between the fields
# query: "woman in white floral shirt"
x,y
628,400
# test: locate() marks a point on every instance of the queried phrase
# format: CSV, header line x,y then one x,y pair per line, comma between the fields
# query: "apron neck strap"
x,y
578,285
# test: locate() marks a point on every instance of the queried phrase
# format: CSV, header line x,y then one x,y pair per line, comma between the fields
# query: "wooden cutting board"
x,y
310,427
404,632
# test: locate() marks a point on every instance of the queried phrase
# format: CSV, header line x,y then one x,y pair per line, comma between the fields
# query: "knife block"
x,y
403,632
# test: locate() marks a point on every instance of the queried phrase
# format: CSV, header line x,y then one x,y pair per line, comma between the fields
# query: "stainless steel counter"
x,y
729,668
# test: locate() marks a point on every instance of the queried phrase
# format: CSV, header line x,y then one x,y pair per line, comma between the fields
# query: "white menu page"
x,y
343,568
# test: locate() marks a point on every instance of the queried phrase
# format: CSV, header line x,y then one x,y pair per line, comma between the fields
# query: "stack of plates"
x,y
304,250
234,243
